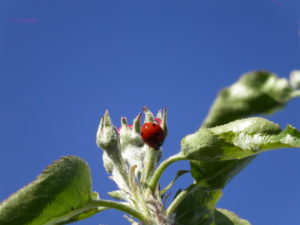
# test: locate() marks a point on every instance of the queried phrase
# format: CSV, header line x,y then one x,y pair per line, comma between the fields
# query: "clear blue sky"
x,y
63,62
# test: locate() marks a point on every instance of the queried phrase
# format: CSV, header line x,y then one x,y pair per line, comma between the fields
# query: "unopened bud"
x,y
107,137
149,118
164,126
130,134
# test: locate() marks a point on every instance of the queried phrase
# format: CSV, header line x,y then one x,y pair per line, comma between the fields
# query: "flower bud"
x,y
130,134
107,137
133,155
149,118
164,121
125,149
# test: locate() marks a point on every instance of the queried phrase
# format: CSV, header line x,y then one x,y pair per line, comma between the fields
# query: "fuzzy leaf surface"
x,y
60,193
238,139
215,175
258,92
254,93
198,208
217,154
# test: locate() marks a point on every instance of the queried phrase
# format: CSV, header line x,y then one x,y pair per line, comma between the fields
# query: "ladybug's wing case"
x,y
152,134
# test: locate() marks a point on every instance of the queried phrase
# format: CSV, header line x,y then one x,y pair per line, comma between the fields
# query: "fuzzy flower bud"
x,y
131,144
149,117
108,140
107,137
130,134
162,115
127,156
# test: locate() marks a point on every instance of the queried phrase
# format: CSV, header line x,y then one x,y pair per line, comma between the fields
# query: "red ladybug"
x,y
152,134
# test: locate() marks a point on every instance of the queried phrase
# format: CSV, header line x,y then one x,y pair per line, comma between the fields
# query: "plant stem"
x,y
136,191
162,167
179,199
150,164
121,207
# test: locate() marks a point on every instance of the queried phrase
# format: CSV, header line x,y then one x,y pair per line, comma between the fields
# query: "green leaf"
x,y
197,207
83,215
170,185
237,140
62,192
218,154
254,93
215,175
226,217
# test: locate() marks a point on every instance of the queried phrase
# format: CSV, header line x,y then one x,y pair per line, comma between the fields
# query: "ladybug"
x,y
152,134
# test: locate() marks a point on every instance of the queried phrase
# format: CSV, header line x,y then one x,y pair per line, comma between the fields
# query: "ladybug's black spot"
x,y
154,125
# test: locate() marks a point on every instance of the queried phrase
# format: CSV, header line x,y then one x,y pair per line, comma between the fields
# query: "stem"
x,y
139,202
162,167
179,199
121,207
116,157
150,164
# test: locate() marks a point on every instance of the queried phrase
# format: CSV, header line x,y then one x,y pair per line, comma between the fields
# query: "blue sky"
x,y
63,62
